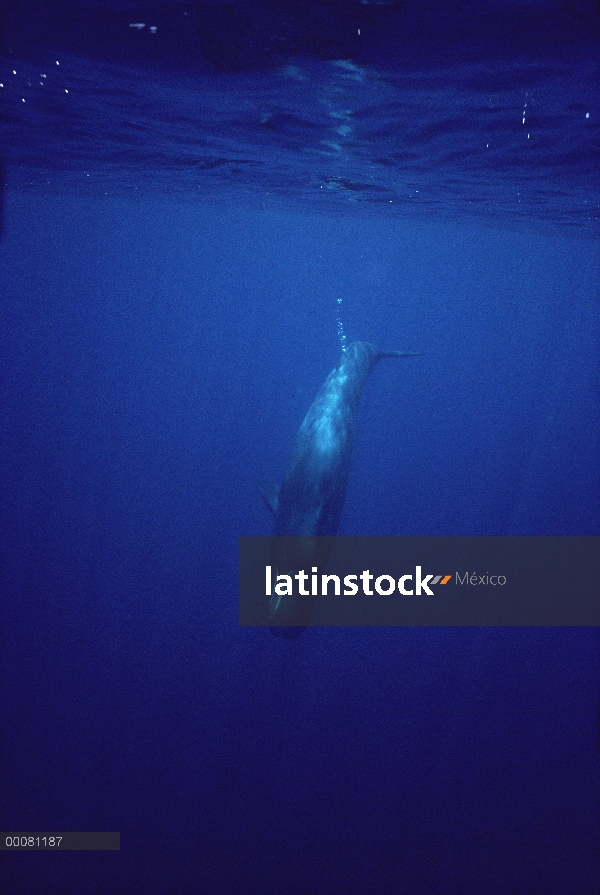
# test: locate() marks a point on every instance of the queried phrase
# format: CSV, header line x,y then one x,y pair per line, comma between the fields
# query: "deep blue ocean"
x,y
200,202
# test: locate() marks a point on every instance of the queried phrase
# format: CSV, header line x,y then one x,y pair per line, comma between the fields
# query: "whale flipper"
x,y
270,495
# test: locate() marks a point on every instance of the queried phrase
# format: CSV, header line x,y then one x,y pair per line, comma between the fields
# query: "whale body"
x,y
310,501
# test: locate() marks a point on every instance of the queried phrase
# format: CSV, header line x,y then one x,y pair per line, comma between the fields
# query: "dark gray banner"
x,y
60,841
420,581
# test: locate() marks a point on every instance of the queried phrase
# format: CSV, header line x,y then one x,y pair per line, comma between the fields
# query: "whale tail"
x,y
381,354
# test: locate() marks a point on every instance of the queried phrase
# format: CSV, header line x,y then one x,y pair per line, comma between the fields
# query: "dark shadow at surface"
x,y
244,35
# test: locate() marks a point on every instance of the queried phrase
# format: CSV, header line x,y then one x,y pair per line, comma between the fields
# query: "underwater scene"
x,y
204,206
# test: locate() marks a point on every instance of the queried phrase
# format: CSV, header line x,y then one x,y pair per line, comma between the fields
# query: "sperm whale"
x,y
310,501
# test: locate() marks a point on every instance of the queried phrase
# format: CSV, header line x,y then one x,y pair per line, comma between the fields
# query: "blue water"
x,y
166,320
